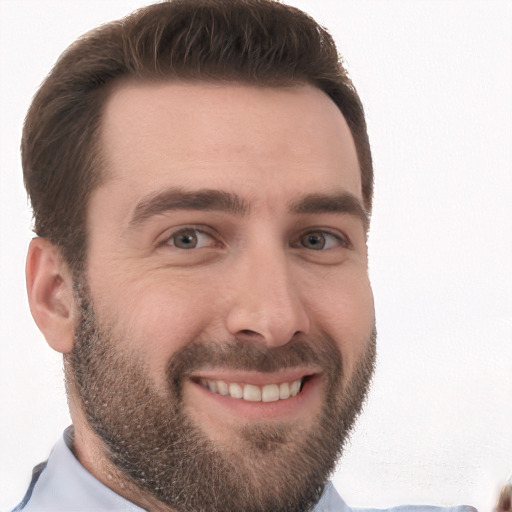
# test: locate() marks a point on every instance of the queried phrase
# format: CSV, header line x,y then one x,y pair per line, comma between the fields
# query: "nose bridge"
x,y
267,303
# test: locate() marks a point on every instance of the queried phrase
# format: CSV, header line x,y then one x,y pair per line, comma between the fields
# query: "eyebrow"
x,y
179,199
343,202
222,201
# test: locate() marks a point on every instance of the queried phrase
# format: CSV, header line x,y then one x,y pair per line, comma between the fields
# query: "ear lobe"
x,y
50,294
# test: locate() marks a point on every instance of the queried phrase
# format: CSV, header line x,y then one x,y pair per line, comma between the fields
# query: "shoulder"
x,y
419,508
36,473
63,484
331,501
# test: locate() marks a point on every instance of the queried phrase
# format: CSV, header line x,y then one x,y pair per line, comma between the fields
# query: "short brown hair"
x,y
260,42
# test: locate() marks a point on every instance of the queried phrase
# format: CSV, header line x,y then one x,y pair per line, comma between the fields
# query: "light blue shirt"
x,y
62,484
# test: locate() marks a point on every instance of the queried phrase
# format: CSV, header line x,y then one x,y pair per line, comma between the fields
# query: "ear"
x,y
50,294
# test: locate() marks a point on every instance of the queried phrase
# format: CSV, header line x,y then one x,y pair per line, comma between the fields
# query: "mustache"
x,y
321,352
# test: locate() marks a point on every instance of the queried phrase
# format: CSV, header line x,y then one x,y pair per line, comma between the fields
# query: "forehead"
x,y
228,135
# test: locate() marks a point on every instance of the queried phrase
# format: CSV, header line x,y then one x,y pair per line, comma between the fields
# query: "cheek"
x,y
346,312
158,316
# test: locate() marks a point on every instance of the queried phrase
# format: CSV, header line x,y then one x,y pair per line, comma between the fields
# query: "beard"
x,y
154,444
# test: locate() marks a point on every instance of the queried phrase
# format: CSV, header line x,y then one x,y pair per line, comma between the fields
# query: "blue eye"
x,y
189,238
315,241
320,240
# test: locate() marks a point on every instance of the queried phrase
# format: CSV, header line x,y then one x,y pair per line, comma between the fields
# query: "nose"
x,y
266,305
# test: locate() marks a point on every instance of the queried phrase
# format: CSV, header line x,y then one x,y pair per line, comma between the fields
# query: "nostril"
x,y
248,333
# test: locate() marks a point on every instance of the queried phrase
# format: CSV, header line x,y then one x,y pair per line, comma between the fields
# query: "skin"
x,y
253,277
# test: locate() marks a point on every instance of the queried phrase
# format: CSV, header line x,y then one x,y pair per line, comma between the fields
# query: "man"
x,y
201,181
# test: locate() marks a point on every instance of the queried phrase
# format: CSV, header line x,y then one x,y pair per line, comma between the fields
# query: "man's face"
x,y
228,322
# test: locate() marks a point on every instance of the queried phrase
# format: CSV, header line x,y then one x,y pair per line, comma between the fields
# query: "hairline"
x,y
99,149
99,158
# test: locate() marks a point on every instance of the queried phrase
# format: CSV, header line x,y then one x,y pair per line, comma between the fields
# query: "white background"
x,y
436,81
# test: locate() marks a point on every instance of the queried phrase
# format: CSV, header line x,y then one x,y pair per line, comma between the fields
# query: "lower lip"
x,y
299,404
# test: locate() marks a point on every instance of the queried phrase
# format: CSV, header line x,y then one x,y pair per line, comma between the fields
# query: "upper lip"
x,y
253,377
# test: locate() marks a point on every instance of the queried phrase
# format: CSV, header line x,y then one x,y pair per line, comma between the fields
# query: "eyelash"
x,y
341,239
184,231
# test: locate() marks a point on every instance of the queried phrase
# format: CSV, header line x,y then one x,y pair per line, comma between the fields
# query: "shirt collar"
x,y
66,485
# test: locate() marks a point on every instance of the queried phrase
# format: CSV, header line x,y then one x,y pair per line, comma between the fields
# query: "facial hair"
x,y
149,437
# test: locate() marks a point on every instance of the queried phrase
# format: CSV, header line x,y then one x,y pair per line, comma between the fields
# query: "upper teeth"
x,y
252,393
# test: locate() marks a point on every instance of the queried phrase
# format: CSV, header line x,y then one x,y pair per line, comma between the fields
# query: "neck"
x,y
90,452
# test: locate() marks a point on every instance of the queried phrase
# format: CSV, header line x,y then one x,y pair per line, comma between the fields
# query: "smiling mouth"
x,y
253,393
